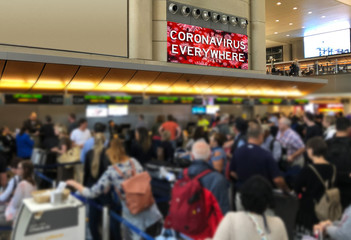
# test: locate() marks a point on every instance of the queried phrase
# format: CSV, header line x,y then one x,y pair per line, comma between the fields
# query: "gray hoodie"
x,y
341,230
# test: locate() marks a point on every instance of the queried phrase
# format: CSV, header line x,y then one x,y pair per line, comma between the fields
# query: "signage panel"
x,y
33,99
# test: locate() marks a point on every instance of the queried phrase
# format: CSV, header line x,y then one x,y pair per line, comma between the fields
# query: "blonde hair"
x,y
116,152
61,129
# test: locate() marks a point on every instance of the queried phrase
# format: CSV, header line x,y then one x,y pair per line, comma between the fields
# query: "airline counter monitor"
x,y
47,221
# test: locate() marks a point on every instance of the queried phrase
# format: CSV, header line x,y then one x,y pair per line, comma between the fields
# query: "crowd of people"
x,y
306,156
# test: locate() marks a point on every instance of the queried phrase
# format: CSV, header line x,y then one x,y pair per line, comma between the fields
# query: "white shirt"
x,y
11,187
329,132
79,137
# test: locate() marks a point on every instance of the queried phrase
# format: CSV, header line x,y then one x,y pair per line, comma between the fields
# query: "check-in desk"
x,y
47,221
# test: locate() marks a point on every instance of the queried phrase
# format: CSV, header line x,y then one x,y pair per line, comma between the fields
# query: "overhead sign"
x,y
235,101
176,100
100,99
33,99
271,101
203,46
298,102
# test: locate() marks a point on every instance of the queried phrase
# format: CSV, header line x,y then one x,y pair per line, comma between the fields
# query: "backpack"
x,y
137,190
329,206
187,213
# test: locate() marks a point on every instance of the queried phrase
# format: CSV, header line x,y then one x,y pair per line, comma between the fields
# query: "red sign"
x,y
203,46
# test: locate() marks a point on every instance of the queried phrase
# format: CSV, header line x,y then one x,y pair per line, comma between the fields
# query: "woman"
x,y
218,157
47,134
330,128
309,186
199,134
111,179
141,148
24,189
7,144
24,144
165,152
256,197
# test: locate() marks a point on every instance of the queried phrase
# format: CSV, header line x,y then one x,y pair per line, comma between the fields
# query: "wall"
x,y
297,48
80,25
14,115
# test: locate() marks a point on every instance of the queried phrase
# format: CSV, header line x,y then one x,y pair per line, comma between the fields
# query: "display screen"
x,y
190,44
100,99
198,110
298,102
117,110
236,101
212,109
96,111
33,99
327,44
175,100
271,101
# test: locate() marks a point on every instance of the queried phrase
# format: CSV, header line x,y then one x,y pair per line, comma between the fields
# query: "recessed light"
x,y
291,24
303,26
279,3
277,20
323,16
295,8
310,12
275,32
288,35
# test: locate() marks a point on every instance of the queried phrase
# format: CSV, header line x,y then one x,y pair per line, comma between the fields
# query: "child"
x,y
6,195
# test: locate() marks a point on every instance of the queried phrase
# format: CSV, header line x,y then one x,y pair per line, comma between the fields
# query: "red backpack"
x,y
187,213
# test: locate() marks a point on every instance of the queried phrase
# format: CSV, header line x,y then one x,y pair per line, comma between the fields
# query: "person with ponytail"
x,y
141,148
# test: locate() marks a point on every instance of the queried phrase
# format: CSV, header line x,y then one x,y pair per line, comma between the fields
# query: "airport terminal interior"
x,y
175,119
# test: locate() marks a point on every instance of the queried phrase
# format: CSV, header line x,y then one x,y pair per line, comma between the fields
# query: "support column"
x,y
140,29
257,45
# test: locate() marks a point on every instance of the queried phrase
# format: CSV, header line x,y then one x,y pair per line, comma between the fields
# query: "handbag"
x,y
71,156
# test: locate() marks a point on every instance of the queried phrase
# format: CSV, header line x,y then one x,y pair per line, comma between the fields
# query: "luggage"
x,y
137,190
187,213
38,156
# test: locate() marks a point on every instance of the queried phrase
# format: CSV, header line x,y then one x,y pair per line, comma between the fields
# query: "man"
x,y
223,126
99,129
312,129
292,144
270,143
33,124
203,122
141,122
173,128
80,135
251,160
72,123
339,154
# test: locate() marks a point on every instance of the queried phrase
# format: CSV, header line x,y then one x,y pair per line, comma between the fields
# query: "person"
x,y
113,129
141,148
7,144
155,133
165,152
330,128
240,128
33,124
144,220
24,144
199,134
218,158
63,146
23,190
80,135
95,164
252,223
73,124
173,128
99,128
203,122
270,143
47,134
338,230
308,184
214,182
312,129
141,122
223,126
251,160
7,194
292,144
339,154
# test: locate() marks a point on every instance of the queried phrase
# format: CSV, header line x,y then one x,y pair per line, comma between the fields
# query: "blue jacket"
x,y
24,146
214,182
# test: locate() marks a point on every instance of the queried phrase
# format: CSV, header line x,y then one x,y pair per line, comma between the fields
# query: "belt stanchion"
x,y
112,213
49,166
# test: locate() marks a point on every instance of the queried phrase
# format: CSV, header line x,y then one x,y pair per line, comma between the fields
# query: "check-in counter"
x,y
47,221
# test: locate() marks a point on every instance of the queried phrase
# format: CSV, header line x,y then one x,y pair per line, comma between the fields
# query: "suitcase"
x,y
38,156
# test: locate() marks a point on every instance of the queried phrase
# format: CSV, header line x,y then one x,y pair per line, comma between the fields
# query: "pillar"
x,y
140,29
257,28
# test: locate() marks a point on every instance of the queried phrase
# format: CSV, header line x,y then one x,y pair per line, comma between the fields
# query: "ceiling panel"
x,y
140,81
115,79
87,78
163,82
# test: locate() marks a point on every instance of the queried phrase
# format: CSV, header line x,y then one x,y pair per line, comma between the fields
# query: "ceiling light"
x,y
206,15
275,32
173,8
288,35
291,24
196,13
277,20
310,12
234,21
279,3
303,26
243,23
323,16
185,11
295,8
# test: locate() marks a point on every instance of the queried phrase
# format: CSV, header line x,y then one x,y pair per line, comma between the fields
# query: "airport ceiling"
x,y
288,20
